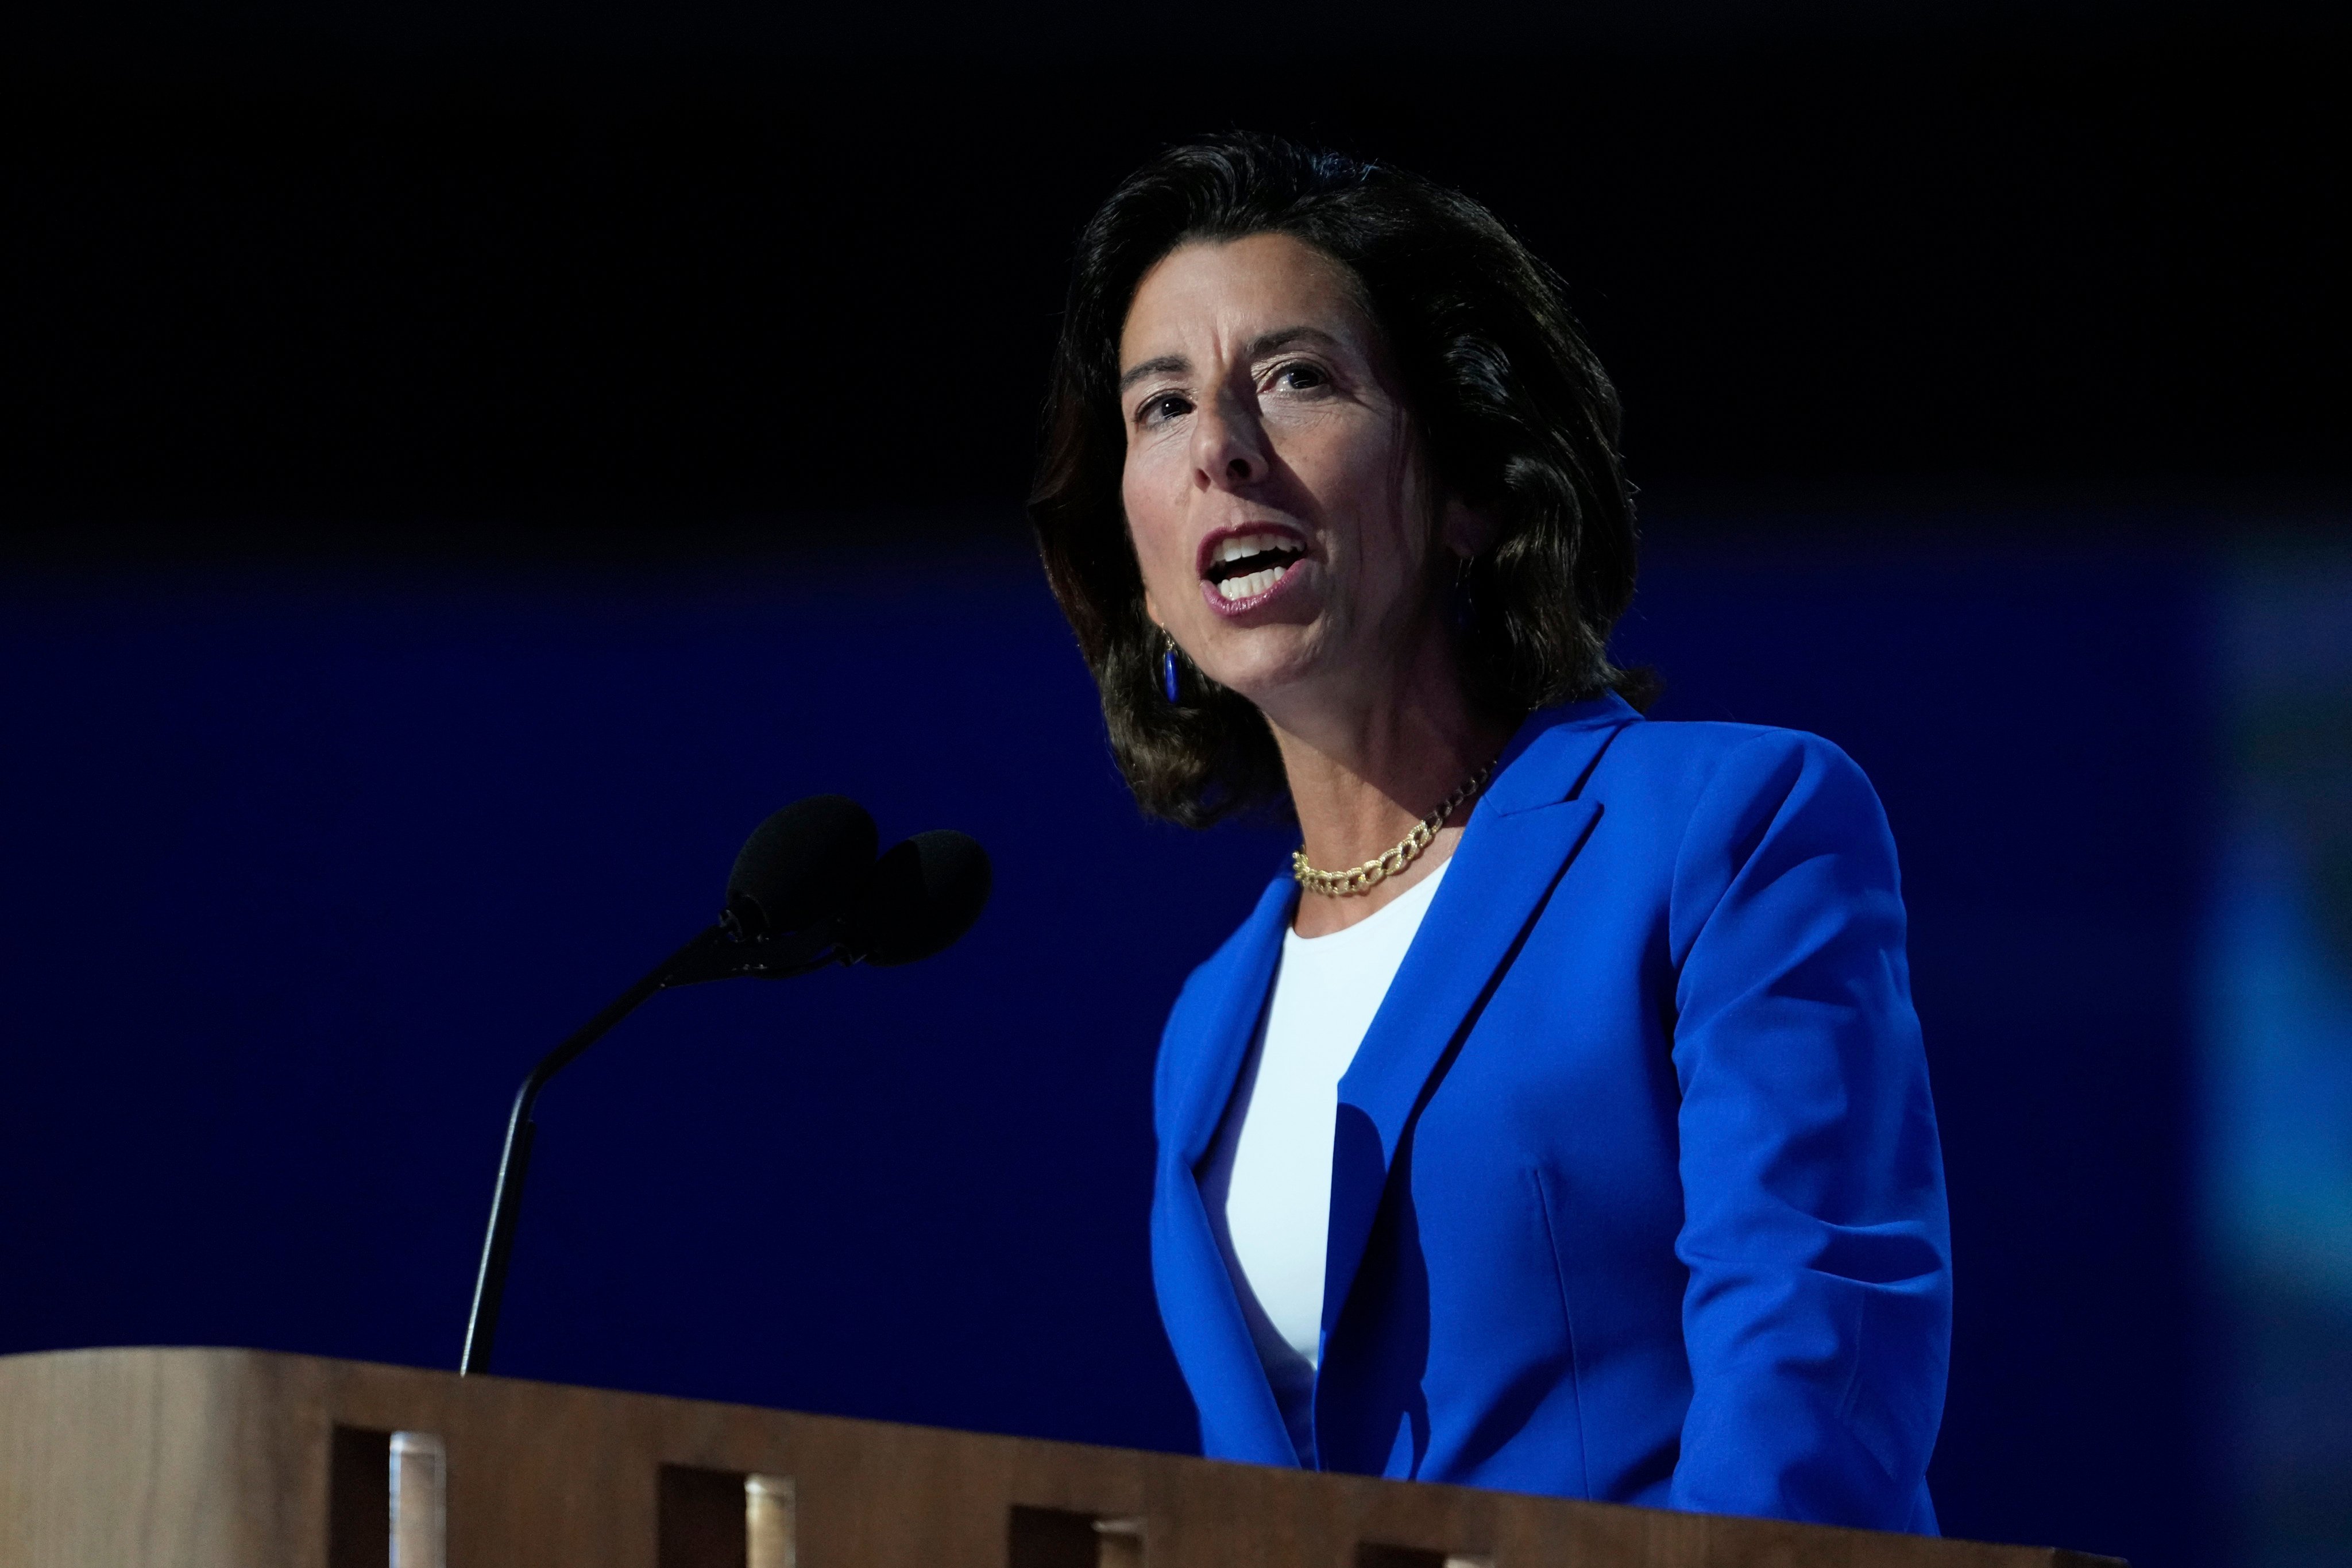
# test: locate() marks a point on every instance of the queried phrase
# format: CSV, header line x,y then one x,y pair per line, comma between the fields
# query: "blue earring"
x,y
1168,670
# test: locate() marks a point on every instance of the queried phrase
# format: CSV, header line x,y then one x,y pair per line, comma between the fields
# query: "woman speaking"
x,y
1557,1121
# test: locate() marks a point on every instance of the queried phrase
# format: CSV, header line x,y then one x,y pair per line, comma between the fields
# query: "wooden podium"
x,y
226,1458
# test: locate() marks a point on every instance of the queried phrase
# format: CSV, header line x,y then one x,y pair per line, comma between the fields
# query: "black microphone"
x,y
805,892
922,896
801,866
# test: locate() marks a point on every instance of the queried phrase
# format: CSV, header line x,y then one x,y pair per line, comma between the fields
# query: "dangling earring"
x,y
1168,668
1465,597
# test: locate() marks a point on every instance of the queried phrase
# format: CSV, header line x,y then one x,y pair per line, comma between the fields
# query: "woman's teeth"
x,y
1242,546
1256,583
1274,552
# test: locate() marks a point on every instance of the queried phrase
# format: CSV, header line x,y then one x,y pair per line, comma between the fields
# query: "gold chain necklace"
x,y
1380,867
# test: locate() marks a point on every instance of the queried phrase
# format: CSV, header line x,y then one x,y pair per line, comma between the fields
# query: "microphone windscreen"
x,y
923,895
801,866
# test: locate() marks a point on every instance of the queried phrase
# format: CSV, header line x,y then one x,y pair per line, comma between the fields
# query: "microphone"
x,y
922,896
805,892
801,867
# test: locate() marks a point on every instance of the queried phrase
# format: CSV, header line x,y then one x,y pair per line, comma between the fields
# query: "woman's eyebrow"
x,y
1166,364
1261,346
1287,337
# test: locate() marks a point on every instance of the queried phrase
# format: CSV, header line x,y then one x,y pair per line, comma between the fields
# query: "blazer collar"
x,y
1548,760
1554,754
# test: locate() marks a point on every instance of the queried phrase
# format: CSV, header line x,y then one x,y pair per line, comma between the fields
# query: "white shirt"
x,y
1267,1179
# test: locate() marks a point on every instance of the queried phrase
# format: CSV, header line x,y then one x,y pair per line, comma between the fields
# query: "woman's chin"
x,y
1280,663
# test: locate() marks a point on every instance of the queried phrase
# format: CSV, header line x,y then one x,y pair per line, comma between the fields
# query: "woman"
x,y
1558,1122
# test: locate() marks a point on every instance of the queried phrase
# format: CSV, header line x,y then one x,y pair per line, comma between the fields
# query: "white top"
x,y
1267,1179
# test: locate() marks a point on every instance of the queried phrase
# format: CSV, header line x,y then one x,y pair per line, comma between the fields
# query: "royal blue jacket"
x,y
1636,1193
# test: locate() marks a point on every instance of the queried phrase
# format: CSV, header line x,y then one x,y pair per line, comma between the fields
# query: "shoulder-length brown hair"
x,y
1516,416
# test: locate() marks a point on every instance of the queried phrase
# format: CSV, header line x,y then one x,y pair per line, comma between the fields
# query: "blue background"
x,y
306,865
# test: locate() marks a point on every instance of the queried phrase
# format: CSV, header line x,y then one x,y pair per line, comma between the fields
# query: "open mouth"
x,y
1244,565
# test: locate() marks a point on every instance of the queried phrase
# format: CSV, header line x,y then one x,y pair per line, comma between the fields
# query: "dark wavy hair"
x,y
1513,413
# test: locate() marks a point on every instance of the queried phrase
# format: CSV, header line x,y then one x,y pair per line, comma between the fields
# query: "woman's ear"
x,y
1466,530
1151,611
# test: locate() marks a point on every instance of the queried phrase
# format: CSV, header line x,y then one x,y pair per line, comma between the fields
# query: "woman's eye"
x,y
1167,406
1300,377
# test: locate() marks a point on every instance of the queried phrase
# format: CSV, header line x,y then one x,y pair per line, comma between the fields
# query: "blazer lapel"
x,y
1208,1041
1214,1039
1519,841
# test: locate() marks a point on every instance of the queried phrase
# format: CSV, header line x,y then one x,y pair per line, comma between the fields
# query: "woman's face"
x,y
1273,490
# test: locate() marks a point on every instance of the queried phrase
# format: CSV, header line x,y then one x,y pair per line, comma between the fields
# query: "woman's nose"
x,y
1228,446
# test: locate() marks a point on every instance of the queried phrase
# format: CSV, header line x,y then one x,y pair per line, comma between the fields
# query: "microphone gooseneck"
x,y
514,1159
805,892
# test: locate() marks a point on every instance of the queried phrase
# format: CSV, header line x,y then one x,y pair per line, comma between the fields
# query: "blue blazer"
x,y
1636,1193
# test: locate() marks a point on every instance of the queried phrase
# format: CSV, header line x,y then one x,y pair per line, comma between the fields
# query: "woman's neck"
x,y
1363,773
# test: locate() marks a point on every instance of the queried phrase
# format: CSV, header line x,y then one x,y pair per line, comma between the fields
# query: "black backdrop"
x,y
477,266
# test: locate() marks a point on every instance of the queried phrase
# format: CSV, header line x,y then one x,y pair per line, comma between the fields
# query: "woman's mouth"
x,y
1248,565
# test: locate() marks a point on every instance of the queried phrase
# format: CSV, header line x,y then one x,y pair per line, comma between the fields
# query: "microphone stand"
x,y
720,952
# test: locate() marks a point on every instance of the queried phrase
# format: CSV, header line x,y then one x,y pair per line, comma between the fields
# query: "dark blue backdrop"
x,y
304,866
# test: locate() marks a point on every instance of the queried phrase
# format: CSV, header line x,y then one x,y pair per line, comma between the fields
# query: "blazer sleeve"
x,y
1818,1314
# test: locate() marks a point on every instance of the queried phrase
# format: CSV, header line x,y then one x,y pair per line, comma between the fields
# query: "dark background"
x,y
463,468
482,263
